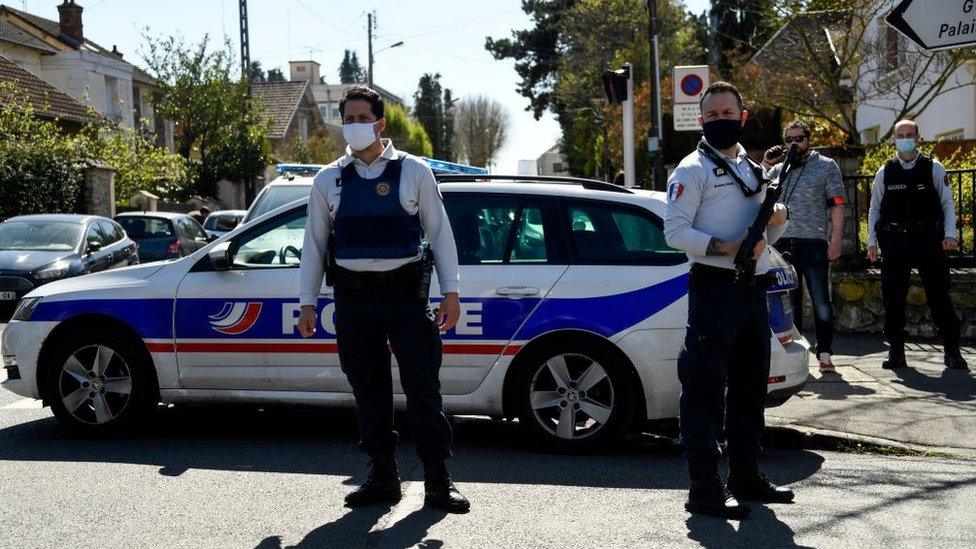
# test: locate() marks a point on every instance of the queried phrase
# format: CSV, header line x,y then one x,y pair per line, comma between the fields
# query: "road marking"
x,y
25,404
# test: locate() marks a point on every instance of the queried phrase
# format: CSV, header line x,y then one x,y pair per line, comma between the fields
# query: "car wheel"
x,y
574,396
100,384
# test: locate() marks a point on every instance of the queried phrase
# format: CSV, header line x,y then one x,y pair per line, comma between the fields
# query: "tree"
x,y
447,148
350,71
219,126
406,133
829,64
738,28
481,129
275,75
255,73
431,106
319,148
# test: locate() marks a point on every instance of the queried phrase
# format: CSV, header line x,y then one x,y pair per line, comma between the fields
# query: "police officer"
x,y
713,197
913,220
377,206
811,190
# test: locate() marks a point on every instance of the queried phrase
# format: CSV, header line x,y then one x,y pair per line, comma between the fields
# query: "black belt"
x,y
407,274
701,273
905,228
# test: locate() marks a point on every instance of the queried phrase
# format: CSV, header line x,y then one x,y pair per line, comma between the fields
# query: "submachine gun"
x,y
745,264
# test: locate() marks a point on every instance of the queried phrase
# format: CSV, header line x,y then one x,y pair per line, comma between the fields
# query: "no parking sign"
x,y
689,83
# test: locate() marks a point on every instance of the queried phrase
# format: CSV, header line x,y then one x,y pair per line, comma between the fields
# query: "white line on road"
x,y
27,403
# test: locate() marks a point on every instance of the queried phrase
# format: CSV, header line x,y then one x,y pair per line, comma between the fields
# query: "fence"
x,y
962,183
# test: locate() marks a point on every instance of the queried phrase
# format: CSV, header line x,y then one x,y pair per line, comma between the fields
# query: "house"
x,y
328,95
46,101
291,109
58,53
552,162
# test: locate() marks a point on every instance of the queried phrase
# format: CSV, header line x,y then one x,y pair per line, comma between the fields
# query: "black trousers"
x,y
923,251
809,257
724,369
370,321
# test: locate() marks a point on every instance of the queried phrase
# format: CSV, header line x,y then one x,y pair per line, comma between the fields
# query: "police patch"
x,y
675,191
382,188
719,172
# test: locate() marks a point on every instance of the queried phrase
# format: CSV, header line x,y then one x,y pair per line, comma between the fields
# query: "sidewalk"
x,y
922,405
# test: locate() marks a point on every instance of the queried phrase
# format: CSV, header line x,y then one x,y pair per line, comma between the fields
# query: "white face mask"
x,y
359,136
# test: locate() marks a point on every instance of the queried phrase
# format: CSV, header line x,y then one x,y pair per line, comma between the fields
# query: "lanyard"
x,y
796,183
707,151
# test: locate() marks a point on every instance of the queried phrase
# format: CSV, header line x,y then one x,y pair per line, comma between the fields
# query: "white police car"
x,y
573,314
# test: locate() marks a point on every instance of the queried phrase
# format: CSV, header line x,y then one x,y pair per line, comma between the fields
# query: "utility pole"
x,y
369,62
655,135
630,177
245,45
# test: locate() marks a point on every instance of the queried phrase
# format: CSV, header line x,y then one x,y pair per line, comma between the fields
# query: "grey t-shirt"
x,y
809,191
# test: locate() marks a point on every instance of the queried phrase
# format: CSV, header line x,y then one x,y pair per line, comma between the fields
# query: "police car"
x,y
573,315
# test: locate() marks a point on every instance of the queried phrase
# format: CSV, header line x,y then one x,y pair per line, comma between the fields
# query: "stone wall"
x,y
858,306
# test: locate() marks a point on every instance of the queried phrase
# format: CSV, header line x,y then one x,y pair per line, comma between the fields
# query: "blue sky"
x,y
445,36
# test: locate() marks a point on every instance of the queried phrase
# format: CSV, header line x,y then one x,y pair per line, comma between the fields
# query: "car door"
x,y
96,256
510,258
238,329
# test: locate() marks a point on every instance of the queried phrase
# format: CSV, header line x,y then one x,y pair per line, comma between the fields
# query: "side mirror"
x,y
93,246
220,256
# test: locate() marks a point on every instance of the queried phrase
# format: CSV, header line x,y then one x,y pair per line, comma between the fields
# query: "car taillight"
x,y
174,246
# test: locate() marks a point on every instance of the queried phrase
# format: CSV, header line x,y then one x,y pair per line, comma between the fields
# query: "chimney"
x,y
70,21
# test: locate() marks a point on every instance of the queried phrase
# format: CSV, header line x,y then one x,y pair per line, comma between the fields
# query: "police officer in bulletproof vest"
x,y
380,216
713,197
913,221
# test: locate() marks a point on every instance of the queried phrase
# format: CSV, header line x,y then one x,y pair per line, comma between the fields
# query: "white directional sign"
x,y
936,24
689,84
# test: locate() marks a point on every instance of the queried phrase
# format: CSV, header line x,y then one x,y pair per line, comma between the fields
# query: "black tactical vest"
x,y
910,199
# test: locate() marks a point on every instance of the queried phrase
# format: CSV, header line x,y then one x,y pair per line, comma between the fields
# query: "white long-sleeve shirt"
x,y
939,182
418,195
705,202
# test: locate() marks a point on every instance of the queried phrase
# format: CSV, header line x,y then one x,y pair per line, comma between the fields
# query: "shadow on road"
x,y
958,385
833,386
318,442
762,529
354,530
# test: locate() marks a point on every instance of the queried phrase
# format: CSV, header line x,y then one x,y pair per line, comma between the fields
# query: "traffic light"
x,y
615,85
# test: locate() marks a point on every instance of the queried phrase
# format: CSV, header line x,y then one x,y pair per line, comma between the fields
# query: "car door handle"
x,y
518,291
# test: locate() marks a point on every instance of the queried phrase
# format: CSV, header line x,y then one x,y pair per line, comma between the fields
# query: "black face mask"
x,y
722,134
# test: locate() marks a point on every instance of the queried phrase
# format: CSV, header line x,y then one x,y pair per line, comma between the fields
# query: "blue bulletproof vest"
x,y
370,222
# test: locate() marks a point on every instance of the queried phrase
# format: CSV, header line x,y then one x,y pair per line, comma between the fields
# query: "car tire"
x,y
586,410
100,384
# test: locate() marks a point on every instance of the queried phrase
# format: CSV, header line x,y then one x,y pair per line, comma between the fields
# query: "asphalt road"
x,y
245,478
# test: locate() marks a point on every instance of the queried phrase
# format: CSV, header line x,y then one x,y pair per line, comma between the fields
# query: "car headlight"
x,y
25,308
56,270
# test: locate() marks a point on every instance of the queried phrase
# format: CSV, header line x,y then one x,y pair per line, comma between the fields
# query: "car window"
x,y
276,243
108,230
117,230
275,197
95,235
40,235
138,227
618,234
221,222
496,229
193,230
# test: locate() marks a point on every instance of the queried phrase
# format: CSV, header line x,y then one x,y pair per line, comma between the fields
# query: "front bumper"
x,y
23,341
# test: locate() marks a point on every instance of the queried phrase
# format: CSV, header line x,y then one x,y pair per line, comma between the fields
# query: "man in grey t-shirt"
x,y
811,190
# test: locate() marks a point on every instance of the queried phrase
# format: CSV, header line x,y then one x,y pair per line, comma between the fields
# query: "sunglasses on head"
x,y
795,139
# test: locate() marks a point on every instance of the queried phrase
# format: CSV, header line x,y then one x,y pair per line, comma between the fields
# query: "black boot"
x,y
709,496
381,486
439,491
896,358
954,359
751,484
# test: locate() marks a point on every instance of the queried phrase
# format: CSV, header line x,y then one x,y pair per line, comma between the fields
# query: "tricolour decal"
x,y
675,191
236,318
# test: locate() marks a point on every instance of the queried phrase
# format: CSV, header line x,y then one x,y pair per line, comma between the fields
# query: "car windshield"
x,y
40,235
277,196
145,227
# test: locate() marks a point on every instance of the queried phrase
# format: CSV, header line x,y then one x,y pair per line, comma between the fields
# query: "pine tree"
x,y
429,110
350,71
447,142
738,28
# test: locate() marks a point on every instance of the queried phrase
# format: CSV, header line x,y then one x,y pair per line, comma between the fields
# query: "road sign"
x,y
686,117
936,24
689,83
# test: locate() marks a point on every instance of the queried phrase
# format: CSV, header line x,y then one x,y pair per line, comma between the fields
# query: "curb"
x,y
826,439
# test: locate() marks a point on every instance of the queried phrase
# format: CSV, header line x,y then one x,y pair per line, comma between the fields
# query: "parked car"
x,y
221,222
163,235
563,285
37,249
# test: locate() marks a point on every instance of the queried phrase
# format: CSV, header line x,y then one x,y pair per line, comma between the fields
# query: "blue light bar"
x,y
299,169
440,166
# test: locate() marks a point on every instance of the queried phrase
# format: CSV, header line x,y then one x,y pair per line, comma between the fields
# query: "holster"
x,y
426,267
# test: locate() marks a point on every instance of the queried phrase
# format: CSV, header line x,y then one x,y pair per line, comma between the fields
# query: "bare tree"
x,y
481,129
825,65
